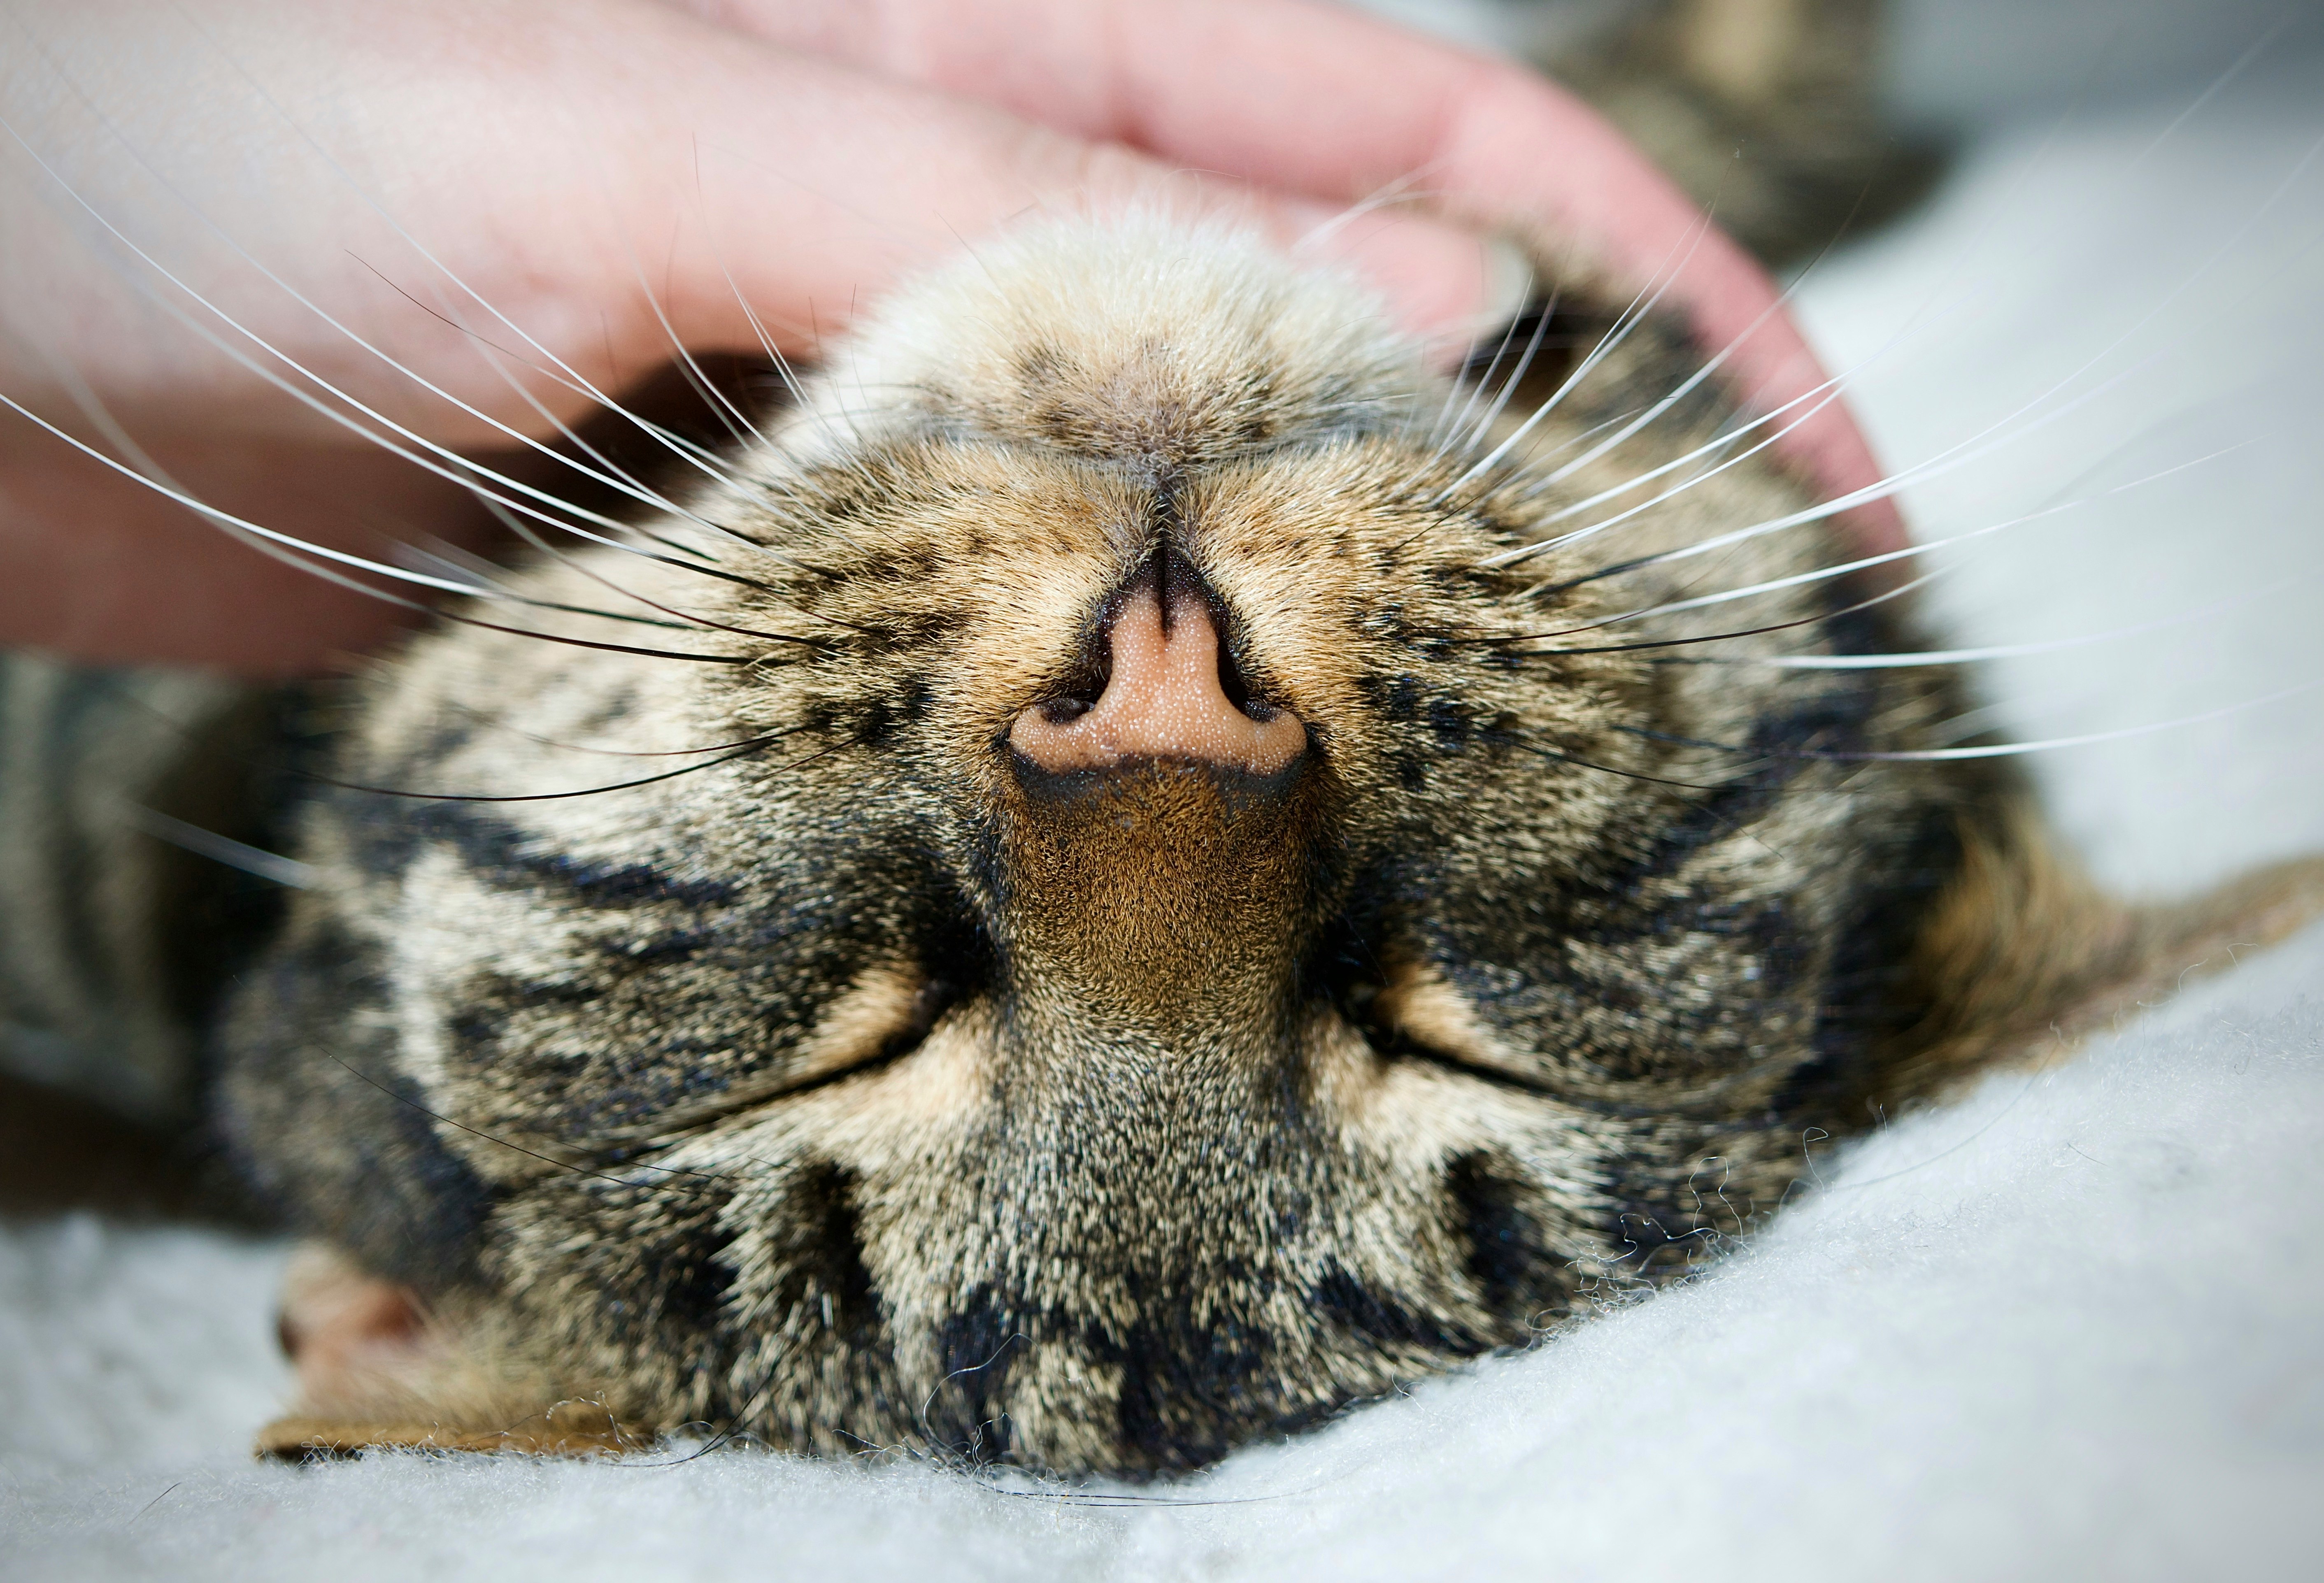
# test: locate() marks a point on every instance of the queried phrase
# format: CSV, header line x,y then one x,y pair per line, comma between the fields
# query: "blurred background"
x,y
1947,63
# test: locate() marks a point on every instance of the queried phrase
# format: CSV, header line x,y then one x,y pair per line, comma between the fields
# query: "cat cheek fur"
x,y
869,1083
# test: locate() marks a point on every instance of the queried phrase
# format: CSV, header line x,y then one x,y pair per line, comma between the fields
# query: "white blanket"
x,y
2071,1326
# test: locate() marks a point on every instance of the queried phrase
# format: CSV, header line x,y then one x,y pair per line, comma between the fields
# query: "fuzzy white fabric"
x,y
2070,1326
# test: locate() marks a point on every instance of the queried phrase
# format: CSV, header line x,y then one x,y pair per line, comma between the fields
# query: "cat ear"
x,y
2022,950
377,1371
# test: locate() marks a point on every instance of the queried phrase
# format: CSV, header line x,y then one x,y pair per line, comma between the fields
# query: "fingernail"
x,y
1509,285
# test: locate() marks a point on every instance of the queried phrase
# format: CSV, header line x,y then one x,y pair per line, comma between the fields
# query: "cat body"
x,y
1132,866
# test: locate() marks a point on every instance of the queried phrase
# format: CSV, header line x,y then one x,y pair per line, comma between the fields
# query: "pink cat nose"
x,y
1166,697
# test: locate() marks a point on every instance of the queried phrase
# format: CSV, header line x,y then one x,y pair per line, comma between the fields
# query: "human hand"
x,y
352,185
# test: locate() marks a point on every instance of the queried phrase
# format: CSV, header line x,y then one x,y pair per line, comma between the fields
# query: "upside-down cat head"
x,y
1143,916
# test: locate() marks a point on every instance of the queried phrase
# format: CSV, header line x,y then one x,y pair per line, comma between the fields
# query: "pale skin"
x,y
607,175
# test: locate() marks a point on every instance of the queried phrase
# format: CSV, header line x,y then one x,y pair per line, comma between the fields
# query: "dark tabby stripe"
x,y
113,940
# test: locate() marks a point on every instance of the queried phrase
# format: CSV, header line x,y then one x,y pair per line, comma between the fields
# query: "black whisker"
x,y
608,583
469,620
1805,620
566,1165
1508,739
742,752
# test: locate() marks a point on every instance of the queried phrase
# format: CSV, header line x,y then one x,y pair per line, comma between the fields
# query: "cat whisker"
x,y
447,456
1511,740
296,551
553,376
566,1165
1563,757
1993,750
594,575
1866,562
1640,309
744,750
1822,396
467,478
1815,619
739,426
1978,446
1447,423
272,867
568,375
143,468
487,585
469,620
1936,656
497,723
243,526
1781,304
1484,425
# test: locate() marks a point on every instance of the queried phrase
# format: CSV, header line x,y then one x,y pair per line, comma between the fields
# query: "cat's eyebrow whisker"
x,y
1447,425
1640,309
1493,415
566,1165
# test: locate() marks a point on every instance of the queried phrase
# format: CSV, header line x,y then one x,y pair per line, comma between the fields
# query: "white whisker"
x,y
1889,557
1640,307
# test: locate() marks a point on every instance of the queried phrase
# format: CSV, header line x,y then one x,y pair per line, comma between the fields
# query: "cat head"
x,y
1170,868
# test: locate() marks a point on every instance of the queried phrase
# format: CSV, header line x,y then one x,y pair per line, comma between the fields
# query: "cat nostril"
x,y
1171,690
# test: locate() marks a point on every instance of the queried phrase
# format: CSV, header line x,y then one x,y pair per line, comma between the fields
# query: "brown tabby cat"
x,y
1139,867
1169,888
